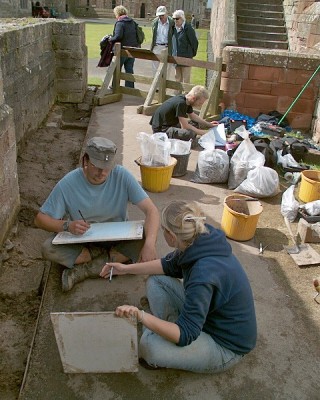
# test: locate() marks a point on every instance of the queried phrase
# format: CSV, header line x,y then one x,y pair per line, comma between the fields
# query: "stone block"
x,y
304,62
262,73
308,232
233,54
291,90
253,86
69,42
268,58
300,121
252,112
67,85
261,101
238,71
74,97
70,73
68,28
231,85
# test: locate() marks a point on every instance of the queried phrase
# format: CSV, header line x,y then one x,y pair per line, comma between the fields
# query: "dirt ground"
x,y
48,155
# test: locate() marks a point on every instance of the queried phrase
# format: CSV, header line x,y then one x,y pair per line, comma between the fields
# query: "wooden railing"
x,y
158,84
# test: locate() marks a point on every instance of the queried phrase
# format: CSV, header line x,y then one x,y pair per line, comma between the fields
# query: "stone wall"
x,y
303,24
40,63
261,80
265,80
9,193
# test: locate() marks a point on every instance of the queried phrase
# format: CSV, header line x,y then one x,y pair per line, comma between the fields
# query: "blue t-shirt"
x,y
97,203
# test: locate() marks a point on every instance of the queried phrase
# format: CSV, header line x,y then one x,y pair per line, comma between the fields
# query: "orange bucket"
x,y
240,217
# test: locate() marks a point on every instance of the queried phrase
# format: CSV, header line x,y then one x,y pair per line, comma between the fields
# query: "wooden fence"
x,y
158,84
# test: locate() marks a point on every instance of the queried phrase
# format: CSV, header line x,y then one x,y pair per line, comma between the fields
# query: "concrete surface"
x,y
284,365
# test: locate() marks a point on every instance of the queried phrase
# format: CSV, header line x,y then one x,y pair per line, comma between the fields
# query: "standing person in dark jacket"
x,y
125,32
184,44
207,322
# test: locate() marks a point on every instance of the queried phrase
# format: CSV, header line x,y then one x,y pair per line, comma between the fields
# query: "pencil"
x,y
111,270
82,216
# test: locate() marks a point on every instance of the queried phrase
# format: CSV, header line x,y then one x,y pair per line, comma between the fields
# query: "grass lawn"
x,y
95,32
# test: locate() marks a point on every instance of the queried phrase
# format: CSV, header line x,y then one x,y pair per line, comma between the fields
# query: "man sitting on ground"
x,y
99,191
173,115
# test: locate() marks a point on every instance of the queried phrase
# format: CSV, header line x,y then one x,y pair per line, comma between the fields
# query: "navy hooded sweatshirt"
x,y
125,31
218,296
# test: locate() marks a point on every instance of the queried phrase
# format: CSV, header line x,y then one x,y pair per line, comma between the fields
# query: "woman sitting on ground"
x,y
204,323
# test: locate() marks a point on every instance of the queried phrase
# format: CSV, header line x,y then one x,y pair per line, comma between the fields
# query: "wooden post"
x,y
211,106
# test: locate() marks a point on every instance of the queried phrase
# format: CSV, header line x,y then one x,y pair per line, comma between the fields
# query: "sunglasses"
x,y
176,18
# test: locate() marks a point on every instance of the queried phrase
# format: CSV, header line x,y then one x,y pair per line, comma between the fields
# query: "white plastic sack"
x,y
260,182
289,205
212,167
287,160
155,148
312,208
245,158
214,137
180,147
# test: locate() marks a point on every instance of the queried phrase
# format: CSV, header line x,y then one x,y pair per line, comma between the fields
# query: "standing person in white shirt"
x,y
162,31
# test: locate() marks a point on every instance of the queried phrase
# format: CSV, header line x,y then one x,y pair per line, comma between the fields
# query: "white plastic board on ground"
x,y
103,232
95,342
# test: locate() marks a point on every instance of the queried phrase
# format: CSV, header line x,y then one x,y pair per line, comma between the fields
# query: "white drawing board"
x,y
103,232
95,342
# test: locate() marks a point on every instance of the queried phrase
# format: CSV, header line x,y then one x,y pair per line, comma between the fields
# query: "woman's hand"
x,y
127,311
118,269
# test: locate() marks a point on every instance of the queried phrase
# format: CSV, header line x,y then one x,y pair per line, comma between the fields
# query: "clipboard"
x,y
104,232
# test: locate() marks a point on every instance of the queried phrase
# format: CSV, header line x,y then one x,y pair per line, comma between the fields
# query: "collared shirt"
x,y
162,32
181,27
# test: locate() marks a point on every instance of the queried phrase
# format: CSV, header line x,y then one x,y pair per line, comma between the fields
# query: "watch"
x,y
66,226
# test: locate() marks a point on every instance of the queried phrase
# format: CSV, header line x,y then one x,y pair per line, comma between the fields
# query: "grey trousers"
x,y
66,254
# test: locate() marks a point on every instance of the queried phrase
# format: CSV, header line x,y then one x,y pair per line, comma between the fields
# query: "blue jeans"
x,y
128,63
166,298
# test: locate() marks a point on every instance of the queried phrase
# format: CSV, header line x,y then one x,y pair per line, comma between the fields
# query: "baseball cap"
x,y
101,152
161,10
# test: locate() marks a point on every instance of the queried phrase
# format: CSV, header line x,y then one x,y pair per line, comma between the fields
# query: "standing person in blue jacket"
x,y
184,44
205,323
125,32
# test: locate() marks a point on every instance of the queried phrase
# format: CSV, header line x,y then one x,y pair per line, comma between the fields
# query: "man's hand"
x,y
78,227
148,253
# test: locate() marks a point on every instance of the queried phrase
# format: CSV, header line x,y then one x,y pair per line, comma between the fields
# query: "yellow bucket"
x,y
240,217
156,179
309,186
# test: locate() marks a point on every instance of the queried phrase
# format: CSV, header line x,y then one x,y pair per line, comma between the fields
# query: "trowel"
x,y
295,249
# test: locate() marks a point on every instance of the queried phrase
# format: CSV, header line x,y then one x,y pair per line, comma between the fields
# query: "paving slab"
x,y
284,365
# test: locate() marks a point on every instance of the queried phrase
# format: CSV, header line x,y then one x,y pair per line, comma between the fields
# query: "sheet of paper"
x,y
104,232
219,134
